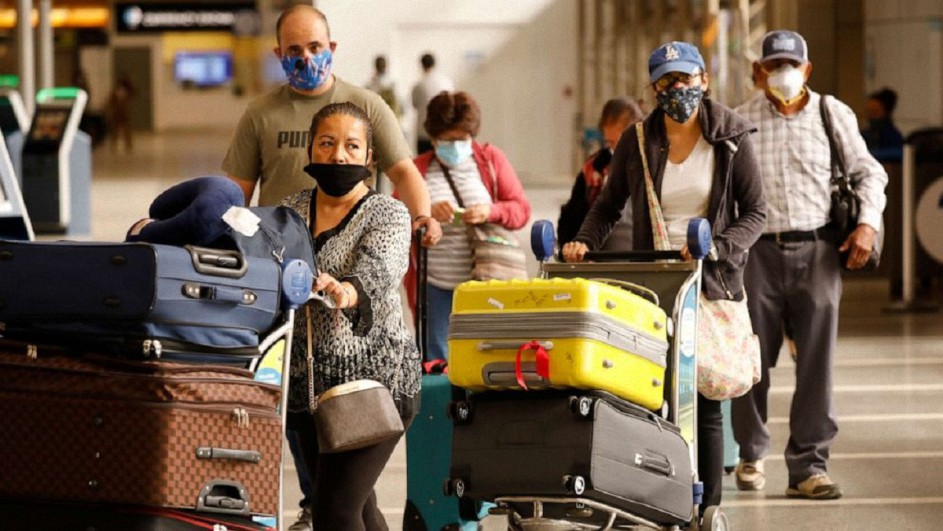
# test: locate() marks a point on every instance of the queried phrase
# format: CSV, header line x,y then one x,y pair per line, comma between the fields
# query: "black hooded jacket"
x,y
736,210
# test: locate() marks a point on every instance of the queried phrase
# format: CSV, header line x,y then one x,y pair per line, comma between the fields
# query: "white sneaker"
x,y
750,475
304,521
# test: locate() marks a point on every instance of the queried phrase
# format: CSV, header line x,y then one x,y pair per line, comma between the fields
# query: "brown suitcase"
x,y
98,429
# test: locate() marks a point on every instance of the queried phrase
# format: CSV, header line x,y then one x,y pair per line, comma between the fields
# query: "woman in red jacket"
x,y
490,191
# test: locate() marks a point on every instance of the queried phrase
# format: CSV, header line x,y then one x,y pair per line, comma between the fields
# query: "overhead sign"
x,y
150,18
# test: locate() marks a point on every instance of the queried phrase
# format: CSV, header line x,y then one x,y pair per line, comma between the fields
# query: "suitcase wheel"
x,y
460,412
582,407
575,484
714,519
454,487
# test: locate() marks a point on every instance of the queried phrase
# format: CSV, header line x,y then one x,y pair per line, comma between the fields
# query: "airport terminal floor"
x,y
888,456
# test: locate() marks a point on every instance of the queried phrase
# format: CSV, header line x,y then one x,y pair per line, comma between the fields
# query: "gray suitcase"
x,y
594,446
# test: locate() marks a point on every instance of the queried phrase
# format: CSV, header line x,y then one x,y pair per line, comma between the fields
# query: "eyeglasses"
x,y
669,80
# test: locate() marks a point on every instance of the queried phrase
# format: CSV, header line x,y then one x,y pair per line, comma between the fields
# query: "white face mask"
x,y
786,83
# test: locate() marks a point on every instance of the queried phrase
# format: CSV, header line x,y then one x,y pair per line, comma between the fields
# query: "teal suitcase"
x,y
428,462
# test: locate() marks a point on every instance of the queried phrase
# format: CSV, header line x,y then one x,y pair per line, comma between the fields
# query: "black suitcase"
x,y
139,300
557,444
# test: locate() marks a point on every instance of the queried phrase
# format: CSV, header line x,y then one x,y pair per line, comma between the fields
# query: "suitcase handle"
x,y
208,452
223,496
485,346
217,262
193,290
642,291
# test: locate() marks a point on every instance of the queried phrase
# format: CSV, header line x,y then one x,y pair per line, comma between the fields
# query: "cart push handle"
x,y
699,239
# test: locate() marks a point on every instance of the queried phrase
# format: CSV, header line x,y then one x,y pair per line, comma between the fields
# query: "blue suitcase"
x,y
139,300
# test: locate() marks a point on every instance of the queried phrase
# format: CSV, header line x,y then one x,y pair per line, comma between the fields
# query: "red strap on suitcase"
x,y
542,360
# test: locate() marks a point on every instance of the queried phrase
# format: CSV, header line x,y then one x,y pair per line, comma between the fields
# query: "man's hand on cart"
x,y
574,251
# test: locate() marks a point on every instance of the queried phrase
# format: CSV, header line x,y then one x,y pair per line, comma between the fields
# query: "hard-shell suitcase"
x,y
139,300
596,335
553,443
428,458
157,434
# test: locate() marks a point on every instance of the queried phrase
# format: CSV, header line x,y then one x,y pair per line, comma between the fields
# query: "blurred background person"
x,y
382,83
883,138
617,115
119,111
432,83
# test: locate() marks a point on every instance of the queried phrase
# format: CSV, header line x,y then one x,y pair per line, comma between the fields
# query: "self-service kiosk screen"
x,y
48,125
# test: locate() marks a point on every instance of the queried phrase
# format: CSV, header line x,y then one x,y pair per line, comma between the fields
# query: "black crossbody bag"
x,y
846,205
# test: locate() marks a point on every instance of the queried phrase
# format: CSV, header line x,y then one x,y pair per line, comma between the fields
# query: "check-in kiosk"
x,y
56,168
13,116
14,221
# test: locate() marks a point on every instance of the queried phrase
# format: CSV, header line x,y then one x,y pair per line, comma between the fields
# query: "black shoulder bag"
x,y
846,204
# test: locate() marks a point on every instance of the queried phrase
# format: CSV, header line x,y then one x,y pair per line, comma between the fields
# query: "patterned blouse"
x,y
370,249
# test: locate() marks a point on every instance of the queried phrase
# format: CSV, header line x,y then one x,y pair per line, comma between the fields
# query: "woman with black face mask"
x,y
362,244
702,164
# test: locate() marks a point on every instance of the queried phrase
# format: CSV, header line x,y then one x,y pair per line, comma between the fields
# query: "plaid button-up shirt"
x,y
795,160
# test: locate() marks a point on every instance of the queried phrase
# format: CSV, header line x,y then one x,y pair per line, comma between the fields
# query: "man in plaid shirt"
x,y
794,271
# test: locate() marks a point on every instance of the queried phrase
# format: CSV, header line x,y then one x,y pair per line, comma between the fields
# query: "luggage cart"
x,y
677,284
222,514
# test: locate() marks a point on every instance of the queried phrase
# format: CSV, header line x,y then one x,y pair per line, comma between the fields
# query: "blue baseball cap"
x,y
675,56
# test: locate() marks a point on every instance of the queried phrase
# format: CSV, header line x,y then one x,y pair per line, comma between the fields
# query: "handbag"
x,y
351,415
728,352
496,252
845,203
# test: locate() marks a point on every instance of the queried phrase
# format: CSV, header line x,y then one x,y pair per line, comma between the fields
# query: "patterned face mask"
x,y
679,103
308,74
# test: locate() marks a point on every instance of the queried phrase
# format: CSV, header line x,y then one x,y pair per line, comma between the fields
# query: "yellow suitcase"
x,y
606,335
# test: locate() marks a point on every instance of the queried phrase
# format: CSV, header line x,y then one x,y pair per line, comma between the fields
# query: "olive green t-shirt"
x,y
271,140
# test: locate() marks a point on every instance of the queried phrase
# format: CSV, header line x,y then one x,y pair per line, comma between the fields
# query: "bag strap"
x,y
659,230
840,177
312,397
448,178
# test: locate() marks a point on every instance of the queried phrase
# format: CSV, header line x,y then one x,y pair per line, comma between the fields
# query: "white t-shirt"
x,y
685,191
431,84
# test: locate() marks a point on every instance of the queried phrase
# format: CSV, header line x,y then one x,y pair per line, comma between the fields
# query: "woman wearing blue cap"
x,y
701,163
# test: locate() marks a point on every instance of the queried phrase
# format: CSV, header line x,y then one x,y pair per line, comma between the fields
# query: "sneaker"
x,y
750,475
304,521
816,487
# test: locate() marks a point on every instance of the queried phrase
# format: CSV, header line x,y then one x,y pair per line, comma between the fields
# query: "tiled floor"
x,y
888,377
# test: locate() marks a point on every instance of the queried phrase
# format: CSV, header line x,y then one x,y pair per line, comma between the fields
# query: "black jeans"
x,y
342,484
710,450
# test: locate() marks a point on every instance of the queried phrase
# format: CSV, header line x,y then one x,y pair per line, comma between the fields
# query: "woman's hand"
x,y
574,251
443,211
343,294
477,214
686,253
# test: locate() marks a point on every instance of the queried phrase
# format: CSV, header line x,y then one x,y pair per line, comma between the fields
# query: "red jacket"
x,y
509,208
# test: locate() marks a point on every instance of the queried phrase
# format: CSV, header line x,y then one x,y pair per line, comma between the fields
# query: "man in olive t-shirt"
x,y
270,143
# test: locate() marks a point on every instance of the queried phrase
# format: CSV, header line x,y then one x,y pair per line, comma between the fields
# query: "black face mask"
x,y
337,180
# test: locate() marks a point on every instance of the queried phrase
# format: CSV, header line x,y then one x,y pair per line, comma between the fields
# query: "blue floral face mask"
x,y
679,103
308,74
453,152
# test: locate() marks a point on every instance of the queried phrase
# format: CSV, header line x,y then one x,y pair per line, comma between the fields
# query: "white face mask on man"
x,y
786,83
